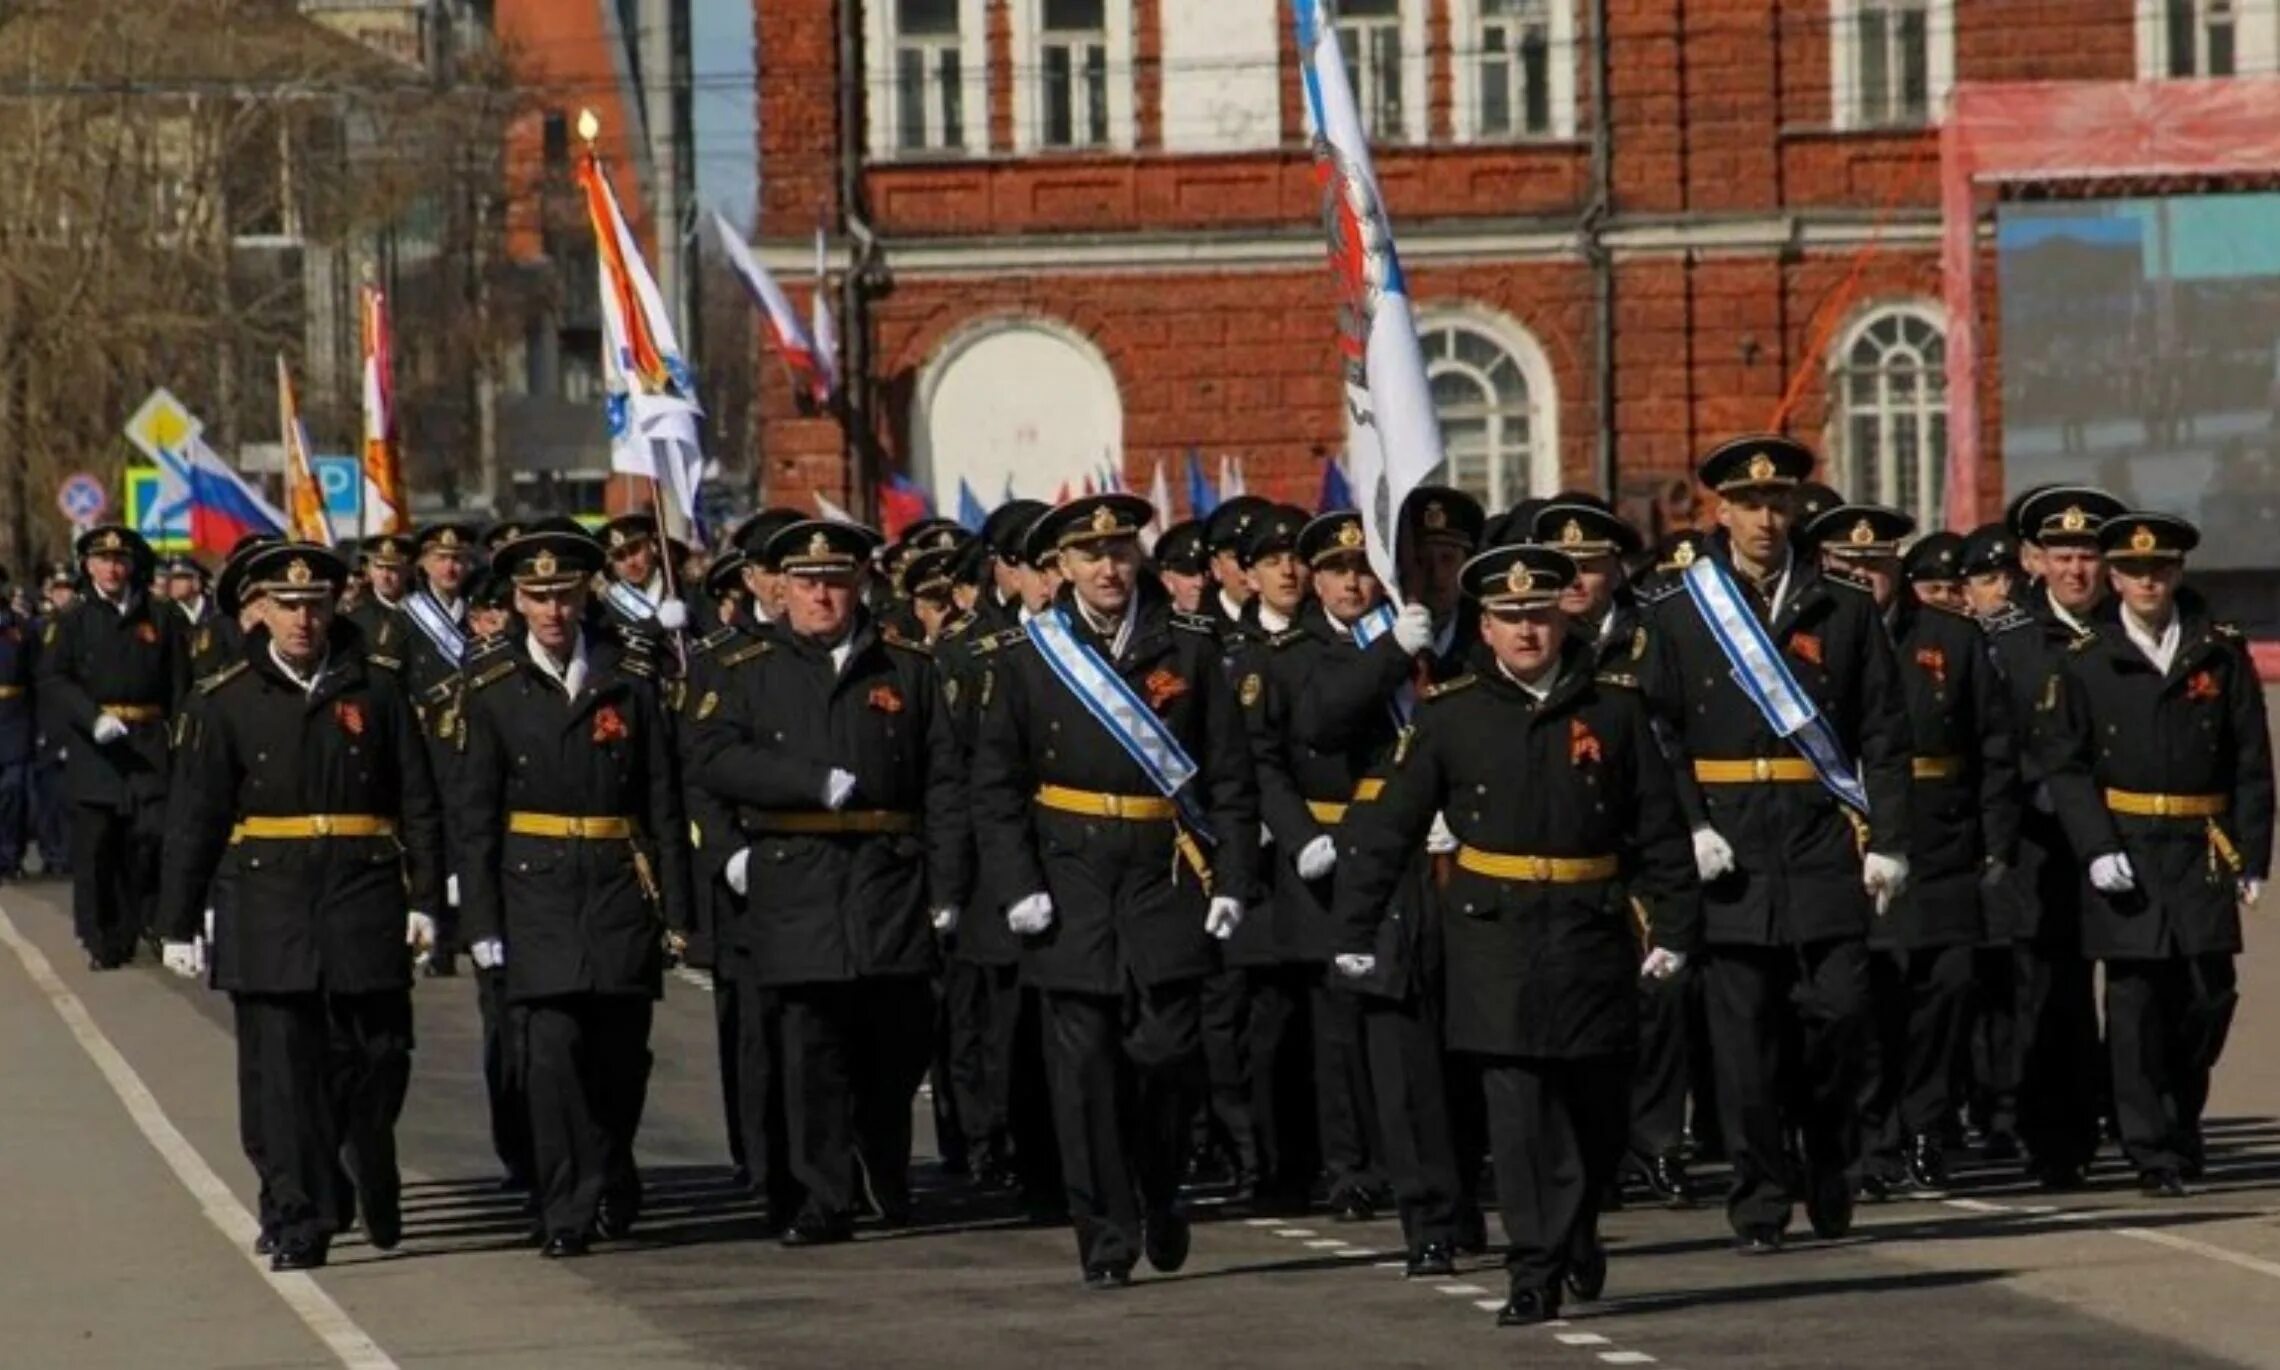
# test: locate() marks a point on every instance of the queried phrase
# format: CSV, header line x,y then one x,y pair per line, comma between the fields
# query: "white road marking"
x,y
1326,1244
1262,1222
1460,1289
1581,1339
1626,1358
1294,1231
2239,1260
1489,1305
349,1343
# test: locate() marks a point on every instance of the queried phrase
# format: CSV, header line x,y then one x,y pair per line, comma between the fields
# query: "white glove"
x,y
419,932
1713,854
489,954
2113,874
451,890
737,872
108,729
1883,877
1317,857
1355,965
946,919
186,959
1661,964
1413,628
1032,915
1223,917
673,615
838,789
2250,892
209,927
1440,841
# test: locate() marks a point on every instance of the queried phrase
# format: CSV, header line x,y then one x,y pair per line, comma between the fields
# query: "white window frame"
x,y
1416,80
1844,63
2256,37
1028,19
1542,476
1931,477
885,109
1466,54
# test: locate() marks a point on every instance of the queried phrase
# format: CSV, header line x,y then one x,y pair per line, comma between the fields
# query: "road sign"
x,y
164,523
162,424
82,498
340,482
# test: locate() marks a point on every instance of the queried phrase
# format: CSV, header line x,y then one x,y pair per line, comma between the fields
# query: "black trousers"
x,y
1992,1036
1407,1067
329,1073
727,1033
761,1120
1659,1075
854,1053
114,875
1125,1077
1556,1129
15,814
506,1073
2166,1022
2060,1056
971,1001
51,817
1345,1103
589,1078
249,1054
1789,1030
1279,1047
1227,1129
1918,1000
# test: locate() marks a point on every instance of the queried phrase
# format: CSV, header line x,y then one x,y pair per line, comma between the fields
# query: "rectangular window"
x,y
2200,35
1892,51
1073,74
554,138
1369,36
928,66
1515,46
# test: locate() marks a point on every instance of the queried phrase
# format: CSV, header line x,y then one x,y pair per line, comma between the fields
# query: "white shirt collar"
x,y
453,609
1270,620
1542,689
2062,614
121,605
2159,648
195,609
571,677
1231,608
1123,633
308,682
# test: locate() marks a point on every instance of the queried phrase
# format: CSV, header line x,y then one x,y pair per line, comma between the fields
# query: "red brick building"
x,y
1094,231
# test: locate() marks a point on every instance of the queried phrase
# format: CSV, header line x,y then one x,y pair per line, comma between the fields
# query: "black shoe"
x,y
2196,1158
1875,1187
564,1246
1164,1240
1430,1261
1528,1307
1999,1146
808,1230
613,1222
2057,1177
442,965
1355,1207
383,1221
2162,1184
1472,1233
1667,1177
1927,1164
1586,1276
1829,1205
1098,1277
297,1256
1759,1241
266,1243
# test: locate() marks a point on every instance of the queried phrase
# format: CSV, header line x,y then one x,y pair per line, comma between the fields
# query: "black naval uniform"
x,y
316,811
2058,1055
1122,964
19,730
1963,830
128,661
1786,928
575,856
1566,812
835,922
2173,769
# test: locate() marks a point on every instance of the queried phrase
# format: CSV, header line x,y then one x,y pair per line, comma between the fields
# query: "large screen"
x,y
2141,352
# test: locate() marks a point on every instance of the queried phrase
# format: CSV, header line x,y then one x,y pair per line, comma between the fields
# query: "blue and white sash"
x,y
1110,700
629,601
1765,678
428,616
1368,629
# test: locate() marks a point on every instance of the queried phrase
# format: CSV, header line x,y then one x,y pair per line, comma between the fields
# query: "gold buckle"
x,y
2161,806
321,824
1761,768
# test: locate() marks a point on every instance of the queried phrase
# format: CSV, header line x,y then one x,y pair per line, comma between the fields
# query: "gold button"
x,y
1761,768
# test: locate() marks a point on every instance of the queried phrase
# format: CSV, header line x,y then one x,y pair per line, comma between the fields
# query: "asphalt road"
x,y
117,1115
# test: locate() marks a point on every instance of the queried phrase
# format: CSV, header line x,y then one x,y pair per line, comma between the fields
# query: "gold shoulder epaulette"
x,y
1003,637
384,661
638,664
2082,642
221,677
715,640
1448,687
491,673
1620,679
756,647
907,644
1286,637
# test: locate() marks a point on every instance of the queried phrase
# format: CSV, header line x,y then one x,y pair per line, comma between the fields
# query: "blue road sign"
x,y
82,498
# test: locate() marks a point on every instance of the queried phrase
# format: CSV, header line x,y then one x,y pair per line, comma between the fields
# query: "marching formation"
x,y
1555,868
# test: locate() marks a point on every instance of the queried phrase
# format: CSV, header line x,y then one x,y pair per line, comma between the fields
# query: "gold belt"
x,y
136,713
1755,770
855,821
1133,808
11,692
596,829
1330,811
1538,870
1936,767
2166,805
309,825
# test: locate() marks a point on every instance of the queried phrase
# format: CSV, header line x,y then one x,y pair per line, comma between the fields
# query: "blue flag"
x,y
1202,499
970,511
1335,494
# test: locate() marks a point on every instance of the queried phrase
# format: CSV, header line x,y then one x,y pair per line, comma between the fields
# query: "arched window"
x,y
1492,390
1015,404
1888,407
